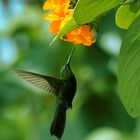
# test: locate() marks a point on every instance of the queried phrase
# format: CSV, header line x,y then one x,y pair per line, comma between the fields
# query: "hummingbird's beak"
x,y
70,56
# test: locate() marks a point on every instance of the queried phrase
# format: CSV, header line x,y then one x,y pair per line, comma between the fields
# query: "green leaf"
x,y
126,14
86,11
129,69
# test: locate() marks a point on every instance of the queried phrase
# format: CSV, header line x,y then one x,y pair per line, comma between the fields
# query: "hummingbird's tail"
x,y
58,124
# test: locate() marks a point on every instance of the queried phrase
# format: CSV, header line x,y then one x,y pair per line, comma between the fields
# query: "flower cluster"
x,y
82,35
60,13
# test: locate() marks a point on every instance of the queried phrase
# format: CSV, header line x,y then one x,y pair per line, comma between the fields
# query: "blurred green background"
x,y
25,114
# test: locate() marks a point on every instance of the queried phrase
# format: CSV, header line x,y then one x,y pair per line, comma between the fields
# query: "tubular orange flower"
x,y
82,35
55,26
51,4
60,14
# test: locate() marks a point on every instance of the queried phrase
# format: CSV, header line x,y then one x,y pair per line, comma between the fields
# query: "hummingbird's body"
x,y
68,88
67,93
64,89
65,97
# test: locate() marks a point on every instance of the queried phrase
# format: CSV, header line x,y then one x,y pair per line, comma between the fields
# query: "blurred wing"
x,y
47,83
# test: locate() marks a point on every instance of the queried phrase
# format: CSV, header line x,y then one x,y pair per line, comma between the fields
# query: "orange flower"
x,y
55,26
51,4
60,13
82,35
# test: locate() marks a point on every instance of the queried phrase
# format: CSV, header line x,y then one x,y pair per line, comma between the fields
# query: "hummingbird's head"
x,y
66,71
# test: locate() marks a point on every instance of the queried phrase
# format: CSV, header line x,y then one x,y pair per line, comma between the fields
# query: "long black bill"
x,y
70,56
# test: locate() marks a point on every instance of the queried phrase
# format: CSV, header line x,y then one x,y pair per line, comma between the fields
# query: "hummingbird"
x,y
64,89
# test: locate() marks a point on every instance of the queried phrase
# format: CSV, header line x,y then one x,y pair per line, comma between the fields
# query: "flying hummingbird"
x,y
64,89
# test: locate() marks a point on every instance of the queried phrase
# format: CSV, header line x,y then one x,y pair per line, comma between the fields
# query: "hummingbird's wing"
x,y
47,83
